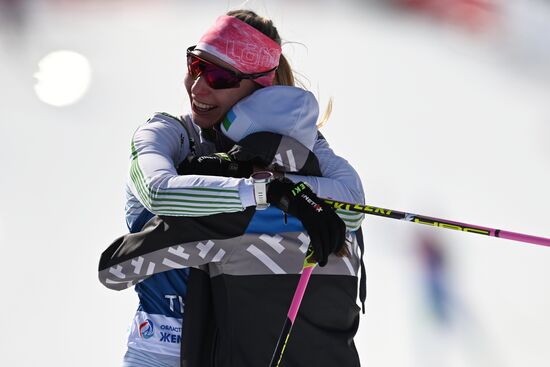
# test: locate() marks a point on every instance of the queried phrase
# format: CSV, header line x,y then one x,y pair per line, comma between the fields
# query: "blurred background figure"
x,y
12,23
474,15
447,331
436,285
471,15
517,30
433,331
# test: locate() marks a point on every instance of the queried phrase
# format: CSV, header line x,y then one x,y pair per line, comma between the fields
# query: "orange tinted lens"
x,y
195,66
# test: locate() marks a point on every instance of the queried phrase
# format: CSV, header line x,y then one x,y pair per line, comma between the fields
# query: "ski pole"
x,y
309,265
436,222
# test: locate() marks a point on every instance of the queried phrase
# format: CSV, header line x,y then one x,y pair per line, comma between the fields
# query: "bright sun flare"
x,y
63,78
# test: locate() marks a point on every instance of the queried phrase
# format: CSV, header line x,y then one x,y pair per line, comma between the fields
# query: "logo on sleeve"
x,y
228,119
146,329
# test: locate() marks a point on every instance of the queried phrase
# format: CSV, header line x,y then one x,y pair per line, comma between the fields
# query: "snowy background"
x,y
443,110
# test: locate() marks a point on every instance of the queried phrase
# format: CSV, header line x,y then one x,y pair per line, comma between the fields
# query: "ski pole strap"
x,y
363,278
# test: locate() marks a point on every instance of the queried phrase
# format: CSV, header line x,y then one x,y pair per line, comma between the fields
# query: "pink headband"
x,y
243,47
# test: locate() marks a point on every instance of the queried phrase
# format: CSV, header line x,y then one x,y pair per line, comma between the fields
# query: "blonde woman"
x,y
238,56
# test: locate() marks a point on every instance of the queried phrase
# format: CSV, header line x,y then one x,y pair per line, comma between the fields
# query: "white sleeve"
x,y
339,182
157,148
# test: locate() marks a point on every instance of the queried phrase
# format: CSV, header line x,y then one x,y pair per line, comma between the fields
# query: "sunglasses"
x,y
216,76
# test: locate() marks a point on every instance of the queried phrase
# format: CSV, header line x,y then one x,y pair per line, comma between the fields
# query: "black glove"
x,y
325,228
219,164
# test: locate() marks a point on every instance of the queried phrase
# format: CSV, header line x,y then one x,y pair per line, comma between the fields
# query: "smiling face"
x,y
209,105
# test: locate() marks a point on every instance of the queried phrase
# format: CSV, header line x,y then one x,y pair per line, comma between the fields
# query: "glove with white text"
x,y
325,228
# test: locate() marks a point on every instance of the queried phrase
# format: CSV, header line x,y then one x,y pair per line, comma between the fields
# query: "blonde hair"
x,y
284,74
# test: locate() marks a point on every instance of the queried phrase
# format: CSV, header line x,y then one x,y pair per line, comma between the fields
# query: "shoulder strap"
x,y
363,278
